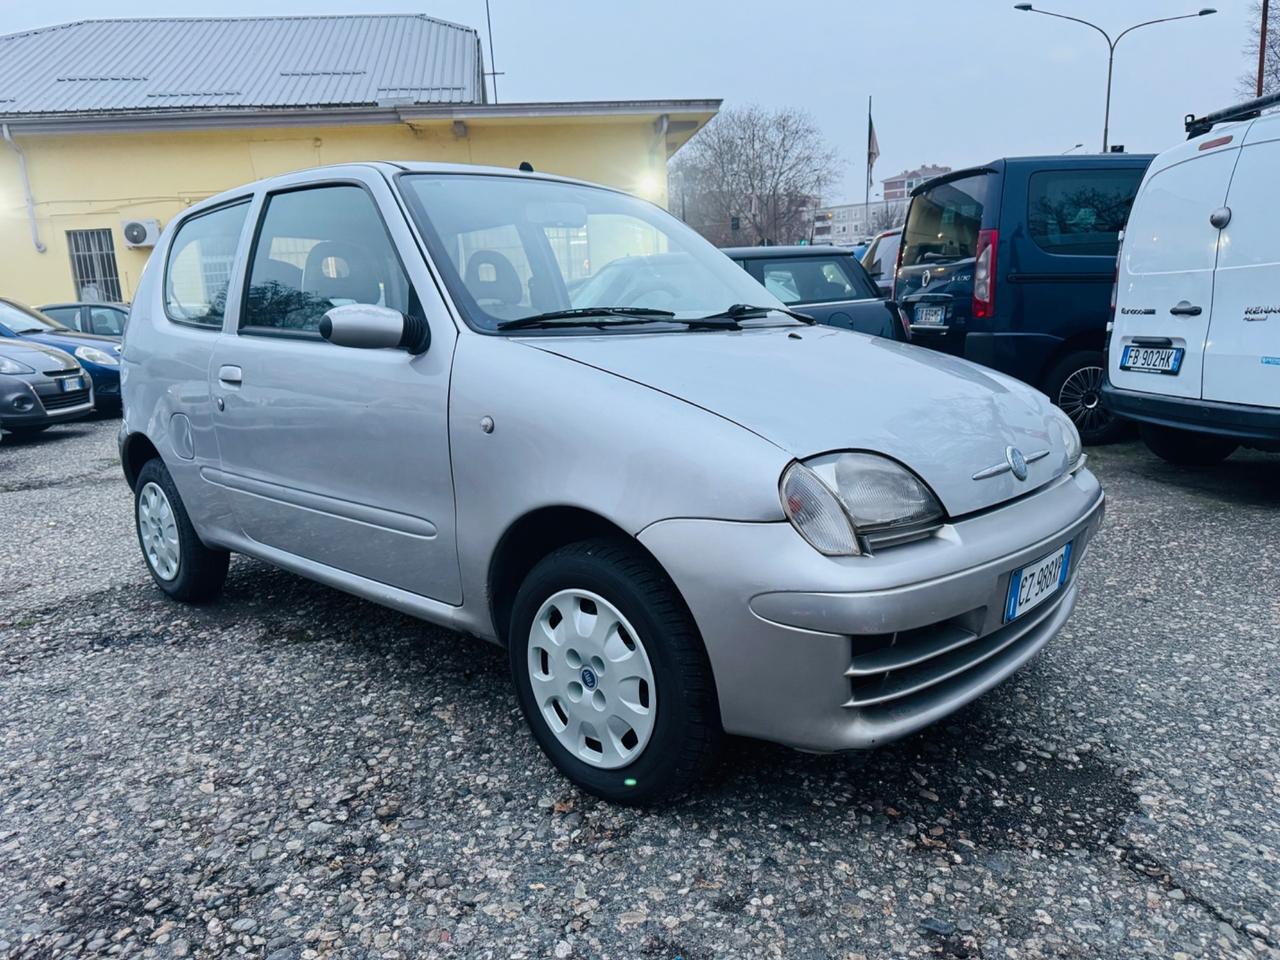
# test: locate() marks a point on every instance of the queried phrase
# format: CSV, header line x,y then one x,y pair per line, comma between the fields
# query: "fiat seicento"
x,y
684,510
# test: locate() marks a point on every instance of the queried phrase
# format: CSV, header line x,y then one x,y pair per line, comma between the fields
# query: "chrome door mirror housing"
x,y
370,326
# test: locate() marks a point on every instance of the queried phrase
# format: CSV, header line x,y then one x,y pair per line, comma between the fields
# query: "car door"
x,y
338,455
1242,352
1164,290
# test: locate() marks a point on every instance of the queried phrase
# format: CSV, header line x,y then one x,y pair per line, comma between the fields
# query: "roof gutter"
x,y
26,189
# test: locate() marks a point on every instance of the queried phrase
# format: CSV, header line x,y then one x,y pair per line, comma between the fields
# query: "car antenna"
x,y
526,166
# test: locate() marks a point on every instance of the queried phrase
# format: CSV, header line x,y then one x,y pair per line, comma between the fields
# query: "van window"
x,y
199,268
1080,212
318,248
943,222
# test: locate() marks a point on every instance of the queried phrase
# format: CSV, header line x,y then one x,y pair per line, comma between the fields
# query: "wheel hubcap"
x,y
158,529
1081,399
591,679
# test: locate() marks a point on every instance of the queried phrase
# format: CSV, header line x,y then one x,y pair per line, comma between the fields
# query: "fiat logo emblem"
x,y
1017,462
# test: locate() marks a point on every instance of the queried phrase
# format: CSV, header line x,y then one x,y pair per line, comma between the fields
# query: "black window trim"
x,y
168,261
305,336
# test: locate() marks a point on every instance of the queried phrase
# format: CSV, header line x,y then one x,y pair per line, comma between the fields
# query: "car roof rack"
x,y
1195,126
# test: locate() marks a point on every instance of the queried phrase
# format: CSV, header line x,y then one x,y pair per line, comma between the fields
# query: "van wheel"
x,y
1187,448
1075,386
611,674
180,564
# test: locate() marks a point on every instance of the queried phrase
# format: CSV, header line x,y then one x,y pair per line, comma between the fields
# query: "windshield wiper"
x,y
600,316
745,311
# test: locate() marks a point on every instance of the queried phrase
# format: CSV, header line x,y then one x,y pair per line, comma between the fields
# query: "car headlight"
x,y
13,366
94,355
840,502
1070,441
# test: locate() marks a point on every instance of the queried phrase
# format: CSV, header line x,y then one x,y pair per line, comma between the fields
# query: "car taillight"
x,y
984,274
905,321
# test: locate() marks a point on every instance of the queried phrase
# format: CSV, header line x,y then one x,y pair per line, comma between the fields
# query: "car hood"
x,y
37,355
818,389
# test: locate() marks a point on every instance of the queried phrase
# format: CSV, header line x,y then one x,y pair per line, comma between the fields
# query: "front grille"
x,y
61,401
888,671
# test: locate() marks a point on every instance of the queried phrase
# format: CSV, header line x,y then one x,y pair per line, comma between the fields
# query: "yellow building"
x,y
107,123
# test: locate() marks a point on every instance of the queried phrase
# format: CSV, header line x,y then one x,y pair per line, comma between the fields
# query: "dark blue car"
x,y
1011,265
99,356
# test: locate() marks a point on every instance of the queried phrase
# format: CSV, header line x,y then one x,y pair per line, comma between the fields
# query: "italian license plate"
x,y
1037,582
1152,359
934,315
72,383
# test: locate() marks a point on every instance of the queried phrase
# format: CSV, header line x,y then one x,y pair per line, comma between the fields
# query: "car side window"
x,y
107,322
319,248
198,272
67,316
814,280
1080,212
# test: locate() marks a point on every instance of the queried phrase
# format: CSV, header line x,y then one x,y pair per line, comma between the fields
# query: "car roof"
x,y
388,168
790,250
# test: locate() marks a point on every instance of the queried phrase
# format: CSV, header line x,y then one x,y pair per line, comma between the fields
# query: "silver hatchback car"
x,y
683,509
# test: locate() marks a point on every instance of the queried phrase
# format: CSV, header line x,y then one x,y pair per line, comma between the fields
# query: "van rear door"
x,y
940,242
1242,353
1164,294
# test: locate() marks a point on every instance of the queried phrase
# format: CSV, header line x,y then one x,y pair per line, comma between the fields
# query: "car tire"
x,y
1074,386
1187,448
650,642
181,565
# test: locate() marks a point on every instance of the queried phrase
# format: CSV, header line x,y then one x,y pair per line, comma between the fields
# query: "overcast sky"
x,y
954,82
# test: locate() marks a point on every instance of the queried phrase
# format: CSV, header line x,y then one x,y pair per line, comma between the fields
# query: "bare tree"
x,y
763,170
886,216
1271,59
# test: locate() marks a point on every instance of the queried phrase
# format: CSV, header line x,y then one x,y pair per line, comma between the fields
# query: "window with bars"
x,y
93,265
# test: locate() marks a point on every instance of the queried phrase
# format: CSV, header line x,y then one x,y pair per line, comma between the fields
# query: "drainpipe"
x,y
26,189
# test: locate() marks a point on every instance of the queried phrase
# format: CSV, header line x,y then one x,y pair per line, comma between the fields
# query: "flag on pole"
x,y
873,146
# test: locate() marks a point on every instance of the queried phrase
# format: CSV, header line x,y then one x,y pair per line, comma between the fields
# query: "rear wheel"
x,y
1075,385
1186,447
181,565
611,673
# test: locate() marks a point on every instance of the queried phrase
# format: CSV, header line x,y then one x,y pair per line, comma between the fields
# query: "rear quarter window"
x,y
1080,212
198,271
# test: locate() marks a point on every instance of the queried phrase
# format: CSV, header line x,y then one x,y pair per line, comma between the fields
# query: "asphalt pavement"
x,y
292,772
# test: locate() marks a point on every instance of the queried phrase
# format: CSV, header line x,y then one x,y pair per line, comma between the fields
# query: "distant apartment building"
x,y
900,186
847,224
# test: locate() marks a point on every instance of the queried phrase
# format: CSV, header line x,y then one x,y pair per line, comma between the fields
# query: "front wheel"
x,y
1075,386
611,674
1186,448
180,564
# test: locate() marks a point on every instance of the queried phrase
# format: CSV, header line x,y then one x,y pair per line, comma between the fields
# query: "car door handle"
x,y
229,373
1184,309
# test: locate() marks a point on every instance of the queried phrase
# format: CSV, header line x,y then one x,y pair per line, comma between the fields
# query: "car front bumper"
x,y
31,400
1235,420
829,654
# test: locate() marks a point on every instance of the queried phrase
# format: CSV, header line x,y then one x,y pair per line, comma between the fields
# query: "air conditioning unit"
x,y
140,233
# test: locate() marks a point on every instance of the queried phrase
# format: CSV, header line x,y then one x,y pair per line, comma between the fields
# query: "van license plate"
x,y
1152,359
1037,582
934,315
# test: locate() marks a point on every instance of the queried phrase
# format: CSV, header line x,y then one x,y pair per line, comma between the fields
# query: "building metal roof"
x,y
98,67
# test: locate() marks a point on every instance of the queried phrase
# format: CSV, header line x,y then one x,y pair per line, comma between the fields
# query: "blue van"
x,y
1012,264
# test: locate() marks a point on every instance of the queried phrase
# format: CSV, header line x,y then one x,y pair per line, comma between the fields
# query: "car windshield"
x,y
21,319
518,247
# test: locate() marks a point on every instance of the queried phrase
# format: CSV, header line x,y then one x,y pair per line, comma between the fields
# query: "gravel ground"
x,y
292,772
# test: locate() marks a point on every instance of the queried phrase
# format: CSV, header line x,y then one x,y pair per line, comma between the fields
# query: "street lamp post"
x,y
1111,48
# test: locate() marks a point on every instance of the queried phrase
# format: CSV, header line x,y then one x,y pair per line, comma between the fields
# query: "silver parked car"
x,y
40,387
684,512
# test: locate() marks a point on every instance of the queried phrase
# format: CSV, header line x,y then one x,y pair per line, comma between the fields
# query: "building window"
x,y
93,265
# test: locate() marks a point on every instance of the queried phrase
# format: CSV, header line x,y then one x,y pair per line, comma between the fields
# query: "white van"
x,y
1194,354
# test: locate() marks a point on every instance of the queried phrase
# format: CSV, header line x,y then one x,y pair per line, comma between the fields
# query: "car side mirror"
x,y
370,326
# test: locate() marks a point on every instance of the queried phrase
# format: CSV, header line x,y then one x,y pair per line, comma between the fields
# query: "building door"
x,y
93,265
